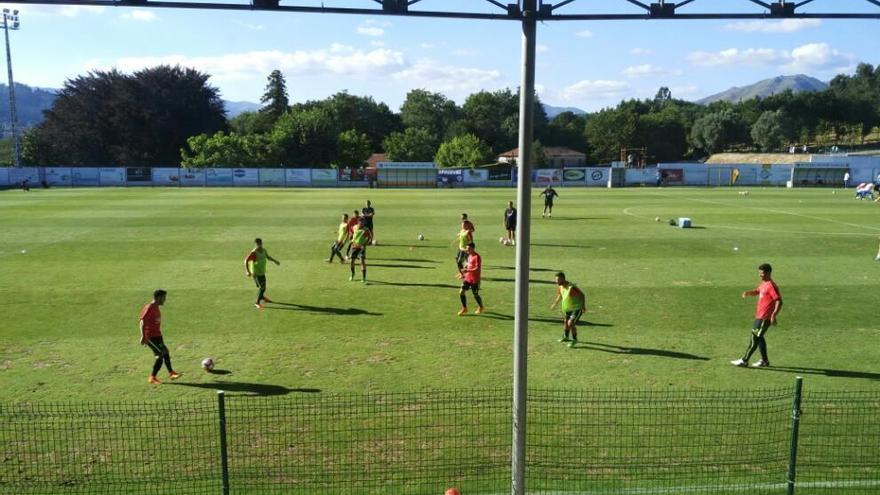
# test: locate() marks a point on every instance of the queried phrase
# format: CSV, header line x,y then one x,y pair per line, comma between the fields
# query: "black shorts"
x,y
474,287
260,281
368,223
510,225
358,252
574,316
548,202
157,346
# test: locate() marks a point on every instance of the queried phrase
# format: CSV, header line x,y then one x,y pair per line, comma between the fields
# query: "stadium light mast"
x,y
10,21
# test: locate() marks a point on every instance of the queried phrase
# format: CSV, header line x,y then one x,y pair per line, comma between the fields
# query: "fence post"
x,y
224,458
795,425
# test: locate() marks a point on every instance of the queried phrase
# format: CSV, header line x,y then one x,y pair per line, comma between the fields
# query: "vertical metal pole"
x,y
795,426
524,205
224,458
12,117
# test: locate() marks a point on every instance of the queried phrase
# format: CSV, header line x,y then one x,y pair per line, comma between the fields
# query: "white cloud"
x,y
372,27
430,75
734,56
648,70
773,27
806,58
377,43
542,48
641,51
818,57
336,60
464,52
140,15
684,91
586,33
594,90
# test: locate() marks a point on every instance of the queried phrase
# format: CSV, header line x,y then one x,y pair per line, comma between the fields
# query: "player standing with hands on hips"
x,y
769,305
258,257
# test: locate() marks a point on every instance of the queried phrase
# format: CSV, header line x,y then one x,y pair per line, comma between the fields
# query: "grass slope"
x,y
665,301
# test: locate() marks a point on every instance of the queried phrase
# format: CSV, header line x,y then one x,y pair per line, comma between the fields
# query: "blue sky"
x,y
584,64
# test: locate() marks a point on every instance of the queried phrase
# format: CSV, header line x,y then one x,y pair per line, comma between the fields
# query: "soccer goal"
x,y
817,175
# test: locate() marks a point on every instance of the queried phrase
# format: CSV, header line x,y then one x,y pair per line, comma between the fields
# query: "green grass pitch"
x,y
76,266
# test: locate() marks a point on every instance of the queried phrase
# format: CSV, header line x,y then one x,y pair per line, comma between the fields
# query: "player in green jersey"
x,y
360,239
258,257
465,236
341,238
574,303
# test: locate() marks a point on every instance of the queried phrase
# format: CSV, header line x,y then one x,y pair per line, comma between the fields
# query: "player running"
x,y
151,336
769,305
465,236
359,242
471,280
341,238
510,223
549,193
574,304
258,258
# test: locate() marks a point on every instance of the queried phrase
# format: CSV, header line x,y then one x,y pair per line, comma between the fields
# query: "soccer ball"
x,y
375,242
501,240
207,364
656,219
421,237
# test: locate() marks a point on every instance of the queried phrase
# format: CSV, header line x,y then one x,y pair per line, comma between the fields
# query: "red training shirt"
x,y
768,294
152,319
351,223
472,272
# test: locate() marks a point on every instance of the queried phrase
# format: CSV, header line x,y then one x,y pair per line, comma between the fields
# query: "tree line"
x,y
172,116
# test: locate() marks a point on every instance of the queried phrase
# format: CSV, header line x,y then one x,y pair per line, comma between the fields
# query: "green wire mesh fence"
x,y
578,442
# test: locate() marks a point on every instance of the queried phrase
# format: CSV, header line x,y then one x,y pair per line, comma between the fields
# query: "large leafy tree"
x,y
463,151
610,130
306,138
415,144
360,113
718,131
227,150
274,99
353,149
772,129
494,118
567,129
140,119
432,112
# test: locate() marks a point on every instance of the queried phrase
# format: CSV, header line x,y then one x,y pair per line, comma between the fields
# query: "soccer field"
x,y
664,306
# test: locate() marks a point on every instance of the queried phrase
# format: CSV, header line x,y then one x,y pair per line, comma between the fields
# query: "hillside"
x,y
797,84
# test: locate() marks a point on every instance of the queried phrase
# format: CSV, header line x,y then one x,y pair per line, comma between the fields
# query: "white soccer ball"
x,y
375,242
24,251
421,237
501,240
207,364
735,248
656,219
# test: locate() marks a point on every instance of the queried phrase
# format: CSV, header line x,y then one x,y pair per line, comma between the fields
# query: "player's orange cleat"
x,y
153,380
479,310
258,305
462,312
174,375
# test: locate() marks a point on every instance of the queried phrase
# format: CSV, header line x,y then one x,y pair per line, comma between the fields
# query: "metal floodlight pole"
x,y
7,16
524,211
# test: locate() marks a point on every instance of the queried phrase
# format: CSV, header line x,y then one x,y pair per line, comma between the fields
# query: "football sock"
x,y
478,299
157,365
168,363
352,270
463,300
364,273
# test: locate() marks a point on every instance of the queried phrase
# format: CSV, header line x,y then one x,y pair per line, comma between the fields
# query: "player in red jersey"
x,y
470,275
769,305
353,222
151,335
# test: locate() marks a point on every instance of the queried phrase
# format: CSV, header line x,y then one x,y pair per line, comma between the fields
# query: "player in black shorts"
x,y
510,223
367,212
549,193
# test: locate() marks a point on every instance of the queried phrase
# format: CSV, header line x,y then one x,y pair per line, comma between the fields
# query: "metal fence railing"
x,y
583,442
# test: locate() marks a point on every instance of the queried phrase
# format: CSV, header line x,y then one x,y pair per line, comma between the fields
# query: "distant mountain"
x,y
234,108
29,104
554,111
797,84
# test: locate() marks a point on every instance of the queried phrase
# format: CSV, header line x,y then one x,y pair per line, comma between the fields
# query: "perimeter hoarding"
x,y
58,176
20,174
219,177
574,176
596,176
272,177
139,176
85,176
475,176
247,177
449,177
111,176
4,176
166,176
323,177
298,176
548,176
192,177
